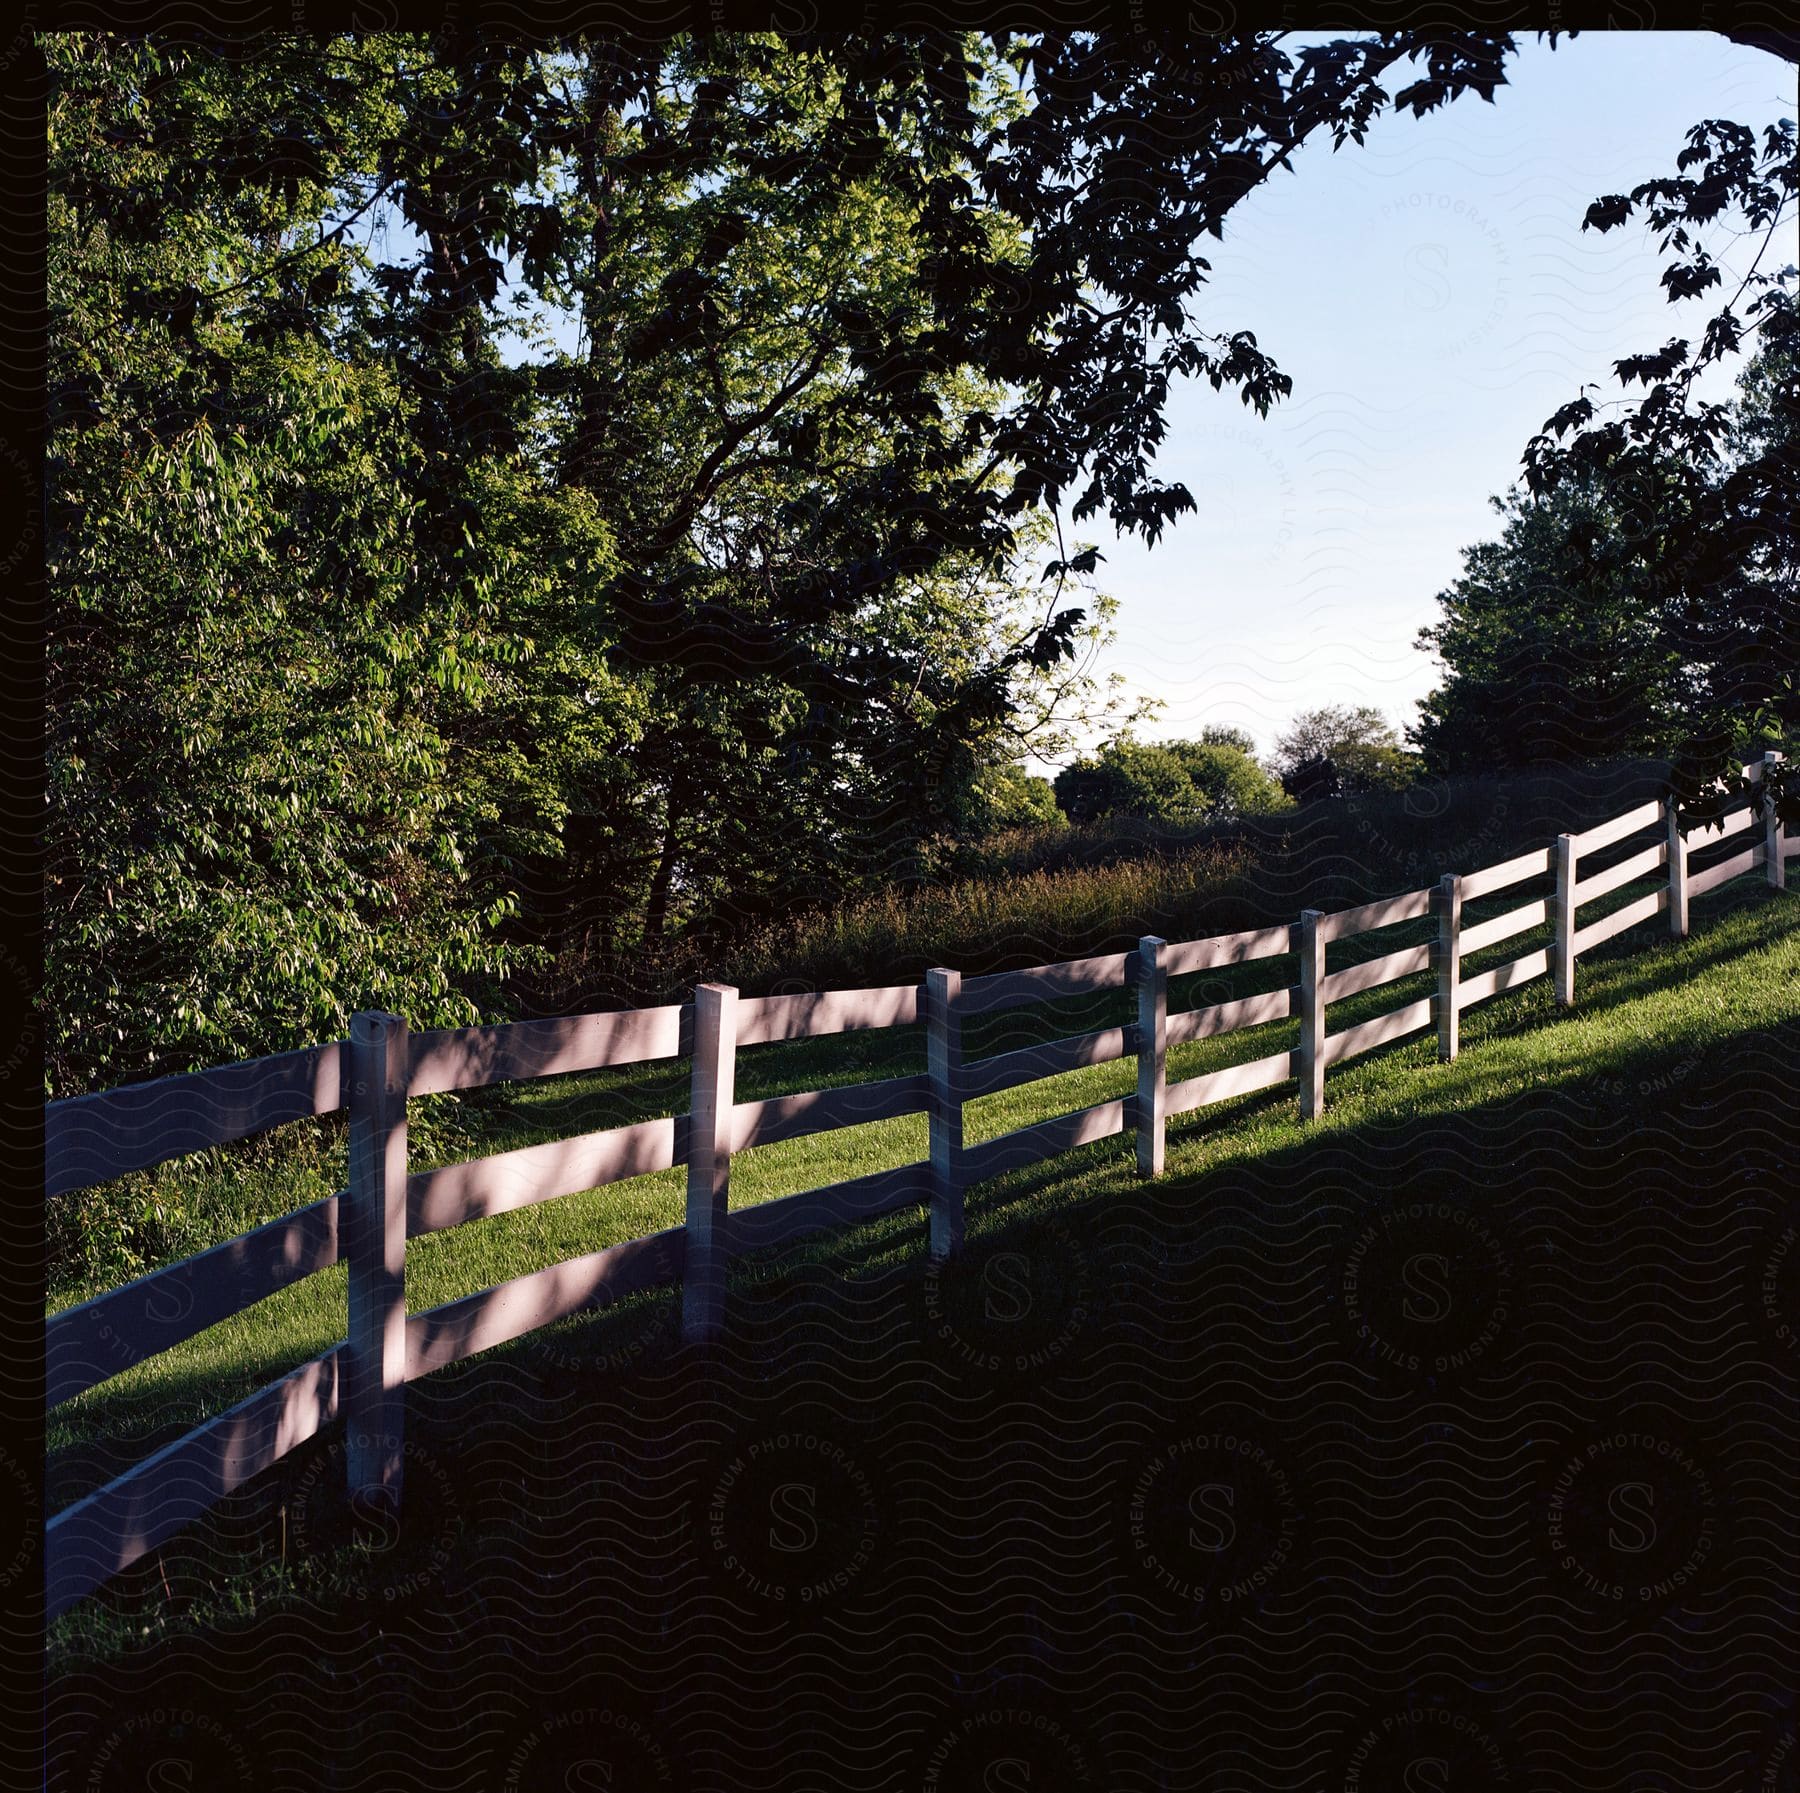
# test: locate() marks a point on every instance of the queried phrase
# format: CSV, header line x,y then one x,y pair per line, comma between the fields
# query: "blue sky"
x,y
1434,299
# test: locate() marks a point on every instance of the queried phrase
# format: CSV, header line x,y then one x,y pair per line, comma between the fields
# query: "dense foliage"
x,y
1214,779
516,501
1707,491
1557,642
1582,632
290,691
1342,751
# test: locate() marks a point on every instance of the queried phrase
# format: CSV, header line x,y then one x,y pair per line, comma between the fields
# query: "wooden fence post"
x,y
1152,1053
713,1093
1678,871
1447,901
943,1057
1568,859
1312,1015
373,1233
1774,836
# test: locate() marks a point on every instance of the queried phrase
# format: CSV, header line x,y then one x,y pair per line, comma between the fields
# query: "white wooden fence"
x,y
93,1139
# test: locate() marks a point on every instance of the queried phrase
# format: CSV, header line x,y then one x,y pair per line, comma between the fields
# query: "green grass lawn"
x,y
1645,1003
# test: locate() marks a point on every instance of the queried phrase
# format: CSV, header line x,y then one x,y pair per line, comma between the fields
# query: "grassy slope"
x,y
1651,1014
1643,1000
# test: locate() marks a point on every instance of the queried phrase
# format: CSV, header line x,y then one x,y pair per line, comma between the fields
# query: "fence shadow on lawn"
x,y
853,1293
364,1379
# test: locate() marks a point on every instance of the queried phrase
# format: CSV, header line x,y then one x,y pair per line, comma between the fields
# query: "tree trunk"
x,y
656,910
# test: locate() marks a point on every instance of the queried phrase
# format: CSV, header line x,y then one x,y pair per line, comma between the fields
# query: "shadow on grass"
x,y
1064,1262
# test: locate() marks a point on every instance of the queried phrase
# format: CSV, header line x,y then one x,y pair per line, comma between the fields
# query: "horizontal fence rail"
x,y
472,1057
1633,821
1384,914
825,1110
1505,875
93,1139
481,1187
1504,977
104,1337
1234,1080
1747,861
1228,1017
765,1018
1371,974
1367,1035
1229,949
1504,927
113,1527
1046,1139
497,1316
1042,983
1029,1064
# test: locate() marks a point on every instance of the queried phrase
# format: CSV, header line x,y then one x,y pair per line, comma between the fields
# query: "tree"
x,y
1341,750
1169,781
1725,498
1218,734
929,267
1129,778
1559,641
1006,796
290,753
378,624
1222,768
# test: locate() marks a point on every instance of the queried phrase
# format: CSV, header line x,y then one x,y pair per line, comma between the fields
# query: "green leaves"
x,y
1719,489
272,802
396,636
1171,781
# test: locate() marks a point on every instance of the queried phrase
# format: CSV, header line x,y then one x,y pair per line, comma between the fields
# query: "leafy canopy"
x,y
399,648
1723,498
1341,750
1169,781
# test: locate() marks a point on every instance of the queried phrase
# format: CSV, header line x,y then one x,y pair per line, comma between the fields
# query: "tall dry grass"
x,y
1035,897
